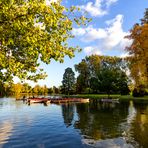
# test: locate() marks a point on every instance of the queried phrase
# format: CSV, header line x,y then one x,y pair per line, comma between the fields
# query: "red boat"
x,y
38,100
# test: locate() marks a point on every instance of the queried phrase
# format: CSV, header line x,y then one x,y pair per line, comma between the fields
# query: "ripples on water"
x,y
72,125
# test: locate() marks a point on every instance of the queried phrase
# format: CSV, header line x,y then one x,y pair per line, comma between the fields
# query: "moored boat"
x,y
110,100
38,100
67,100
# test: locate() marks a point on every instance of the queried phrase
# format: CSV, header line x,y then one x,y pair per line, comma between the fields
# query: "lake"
x,y
102,125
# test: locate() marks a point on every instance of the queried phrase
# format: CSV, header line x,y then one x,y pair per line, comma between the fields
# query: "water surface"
x,y
73,125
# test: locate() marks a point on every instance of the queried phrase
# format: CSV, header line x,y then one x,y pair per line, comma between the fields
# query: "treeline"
x,y
106,74
102,75
11,89
99,75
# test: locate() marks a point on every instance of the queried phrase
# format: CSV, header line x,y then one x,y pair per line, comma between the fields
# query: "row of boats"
x,y
56,100
66,100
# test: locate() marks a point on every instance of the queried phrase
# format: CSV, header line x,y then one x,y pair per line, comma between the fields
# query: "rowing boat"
x,y
38,100
110,100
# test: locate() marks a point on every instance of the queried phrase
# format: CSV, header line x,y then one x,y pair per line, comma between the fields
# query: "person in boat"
x,y
24,98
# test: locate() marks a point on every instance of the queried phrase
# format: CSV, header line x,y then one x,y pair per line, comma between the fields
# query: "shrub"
x,y
138,92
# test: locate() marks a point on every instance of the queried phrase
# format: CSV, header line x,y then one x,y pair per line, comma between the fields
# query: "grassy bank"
x,y
121,97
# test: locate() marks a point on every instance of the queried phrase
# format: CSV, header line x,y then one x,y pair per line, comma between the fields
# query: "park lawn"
x,y
100,96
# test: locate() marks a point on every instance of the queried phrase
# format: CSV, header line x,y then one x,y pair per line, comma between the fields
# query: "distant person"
x,y
24,98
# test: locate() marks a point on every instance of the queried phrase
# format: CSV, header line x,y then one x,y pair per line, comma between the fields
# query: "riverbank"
x,y
114,96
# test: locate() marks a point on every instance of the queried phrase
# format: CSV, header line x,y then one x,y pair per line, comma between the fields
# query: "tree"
x,y
36,90
26,88
50,90
56,90
139,52
32,31
45,90
16,89
102,74
83,78
68,82
112,80
5,89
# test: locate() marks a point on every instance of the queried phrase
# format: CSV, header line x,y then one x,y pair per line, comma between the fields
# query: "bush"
x,y
138,92
124,90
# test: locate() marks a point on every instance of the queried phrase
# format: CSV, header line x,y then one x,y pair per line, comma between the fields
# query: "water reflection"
x,y
101,121
93,125
139,128
5,132
68,113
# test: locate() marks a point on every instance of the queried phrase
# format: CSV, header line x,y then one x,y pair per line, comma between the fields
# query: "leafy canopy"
x,y
103,74
68,81
32,31
139,52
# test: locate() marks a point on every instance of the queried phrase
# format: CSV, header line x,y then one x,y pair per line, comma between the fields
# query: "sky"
x,y
104,35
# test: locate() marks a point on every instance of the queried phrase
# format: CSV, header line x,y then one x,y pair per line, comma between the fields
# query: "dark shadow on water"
x,y
68,113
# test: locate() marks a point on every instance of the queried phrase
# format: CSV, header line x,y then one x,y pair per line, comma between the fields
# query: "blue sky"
x,y
111,21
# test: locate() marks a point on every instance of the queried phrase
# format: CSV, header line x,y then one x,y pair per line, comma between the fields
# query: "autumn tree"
x,y
139,52
68,82
32,31
17,89
26,88
36,89
45,90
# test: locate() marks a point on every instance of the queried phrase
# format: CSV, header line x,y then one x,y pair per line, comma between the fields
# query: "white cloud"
x,y
90,34
115,34
98,8
110,2
78,31
109,38
89,50
94,34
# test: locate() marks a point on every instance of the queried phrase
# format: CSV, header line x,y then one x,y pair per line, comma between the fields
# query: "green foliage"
x,y
102,74
68,82
50,90
32,31
55,90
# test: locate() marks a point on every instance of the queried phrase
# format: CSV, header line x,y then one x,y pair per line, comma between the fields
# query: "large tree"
x,y
112,79
83,78
32,31
102,74
139,52
68,82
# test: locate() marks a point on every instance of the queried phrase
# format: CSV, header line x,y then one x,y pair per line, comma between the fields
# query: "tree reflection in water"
x,y
140,125
101,120
68,113
105,122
